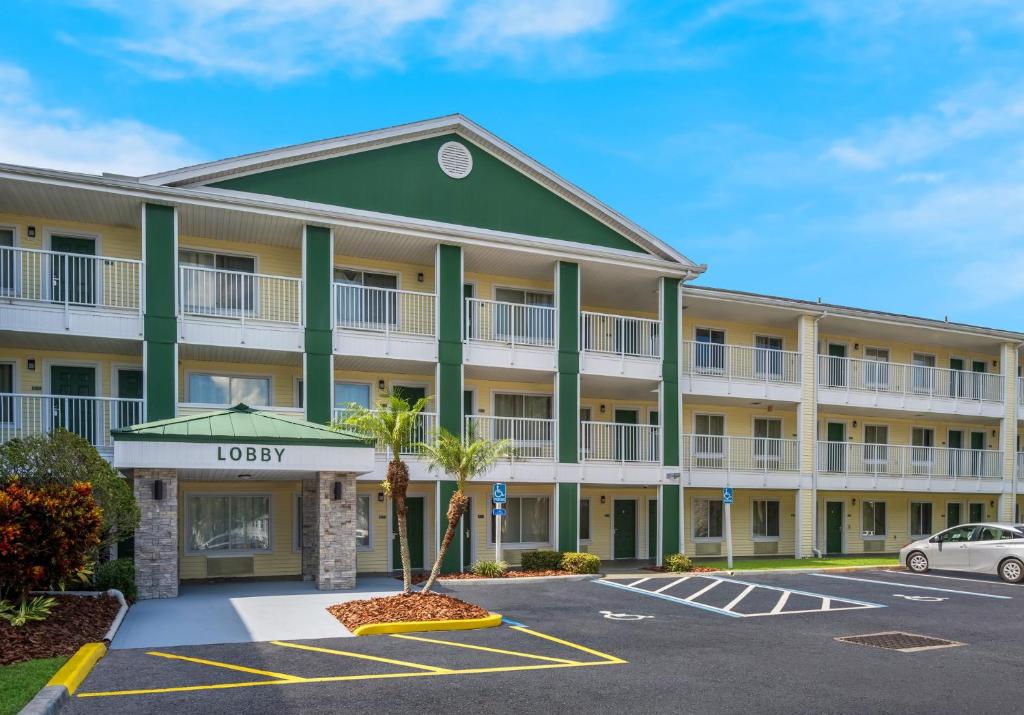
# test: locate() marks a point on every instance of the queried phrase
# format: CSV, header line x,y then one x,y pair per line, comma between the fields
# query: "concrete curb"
x,y
462,624
112,631
523,579
746,572
48,701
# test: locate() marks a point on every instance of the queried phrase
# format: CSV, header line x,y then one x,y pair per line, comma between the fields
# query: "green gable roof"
x,y
239,424
405,180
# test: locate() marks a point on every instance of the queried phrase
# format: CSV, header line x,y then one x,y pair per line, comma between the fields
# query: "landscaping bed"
x,y
74,621
411,607
469,575
662,569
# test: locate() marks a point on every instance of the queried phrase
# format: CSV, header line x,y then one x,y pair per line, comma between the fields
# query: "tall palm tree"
x,y
392,425
464,460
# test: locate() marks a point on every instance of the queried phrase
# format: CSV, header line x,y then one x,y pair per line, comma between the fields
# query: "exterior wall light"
x,y
336,492
380,496
380,385
158,489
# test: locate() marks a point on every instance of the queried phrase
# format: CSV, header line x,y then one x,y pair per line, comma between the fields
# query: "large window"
x,y
363,521
522,406
765,519
876,367
361,308
707,518
768,356
710,350
228,389
709,441
206,292
527,521
522,323
920,518
584,520
345,393
234,522
874,518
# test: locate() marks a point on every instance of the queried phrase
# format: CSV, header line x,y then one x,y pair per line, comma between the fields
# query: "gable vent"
x,y
455,160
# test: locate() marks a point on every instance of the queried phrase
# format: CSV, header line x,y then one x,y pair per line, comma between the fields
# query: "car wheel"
x,y
917,562
1011,571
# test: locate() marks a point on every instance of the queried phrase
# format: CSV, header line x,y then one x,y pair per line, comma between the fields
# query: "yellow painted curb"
x,y
72,673
462,624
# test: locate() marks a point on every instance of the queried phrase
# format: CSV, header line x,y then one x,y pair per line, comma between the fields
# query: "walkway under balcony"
x,y
27,415
740,371
619,345
858,465
751,462
517,335
69,293
239,309
917,388
384,323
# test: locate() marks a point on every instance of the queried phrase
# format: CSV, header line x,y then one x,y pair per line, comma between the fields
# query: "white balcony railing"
x,y
904,379
532,437
511,323
383,310
740,454
618,442
900,460
24,415
70,279
215,293
620,335
423,430
741,362
1020,465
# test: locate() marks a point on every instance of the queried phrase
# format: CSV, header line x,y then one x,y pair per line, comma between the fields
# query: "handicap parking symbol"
x,y
623,616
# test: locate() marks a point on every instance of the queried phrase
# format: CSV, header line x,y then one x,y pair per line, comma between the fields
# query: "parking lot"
x,y
765,643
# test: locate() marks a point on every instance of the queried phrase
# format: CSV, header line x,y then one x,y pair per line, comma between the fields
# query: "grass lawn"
x,y
20,682
767,564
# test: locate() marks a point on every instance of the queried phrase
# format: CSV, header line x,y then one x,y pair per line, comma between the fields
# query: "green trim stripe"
x,y
567,276
670,419
568,516
160,323
449,338
670,519
452,561
319,333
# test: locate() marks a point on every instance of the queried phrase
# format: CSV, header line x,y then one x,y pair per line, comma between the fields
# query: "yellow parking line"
x,y
364,656
485,648
228,666
599,654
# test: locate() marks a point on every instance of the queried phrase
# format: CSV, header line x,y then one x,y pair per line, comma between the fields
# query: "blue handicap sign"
x,y
727,495
498,493
498,512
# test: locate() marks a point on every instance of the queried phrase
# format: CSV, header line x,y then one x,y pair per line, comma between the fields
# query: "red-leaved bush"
x,y
46,535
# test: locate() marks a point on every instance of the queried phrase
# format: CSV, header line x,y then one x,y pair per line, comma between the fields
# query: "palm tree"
x,y
392,425
464,460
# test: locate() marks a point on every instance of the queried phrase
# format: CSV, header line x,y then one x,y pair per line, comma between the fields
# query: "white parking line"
x,y
955,578
739,598
638,582
781,604
713,584
670,585
911,585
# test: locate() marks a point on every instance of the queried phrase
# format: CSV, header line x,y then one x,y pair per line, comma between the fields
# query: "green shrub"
x,y
490,569
119,574
540,560
38,609
578,562
678,563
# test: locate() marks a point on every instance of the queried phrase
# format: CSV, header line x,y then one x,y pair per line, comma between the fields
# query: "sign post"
x,y
498,497
727,509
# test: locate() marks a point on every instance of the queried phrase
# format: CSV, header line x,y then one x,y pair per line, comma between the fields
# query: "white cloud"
x,y
36,133
499,22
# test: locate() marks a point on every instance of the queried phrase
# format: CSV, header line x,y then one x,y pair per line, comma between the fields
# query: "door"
x,y
625,529
73,276
922,452
652,528
129,385
978,369
836,372
415,521
466,528
977,454
836,447
958,462
952,549
409,394
976,512
74,415
626,445
834,527
954,514
957,384
767,442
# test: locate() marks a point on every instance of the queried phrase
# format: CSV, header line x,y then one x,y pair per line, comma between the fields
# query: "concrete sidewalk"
x,y
242,613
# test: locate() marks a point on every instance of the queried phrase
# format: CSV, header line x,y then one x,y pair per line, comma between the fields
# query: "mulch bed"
x,y
74,621
662,569
468,576
411,607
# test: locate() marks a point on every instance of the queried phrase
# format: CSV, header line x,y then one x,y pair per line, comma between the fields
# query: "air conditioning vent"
x,y
455,160
230,566
763,548
875,545
704,548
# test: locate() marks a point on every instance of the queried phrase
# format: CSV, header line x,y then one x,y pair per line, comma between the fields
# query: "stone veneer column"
x,y
336,535
156,539
310,529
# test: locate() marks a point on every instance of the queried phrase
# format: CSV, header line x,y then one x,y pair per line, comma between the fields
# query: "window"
x,y
709,441
707,518
768,356
522,406
710,350
345,393
922,440
876,437
8,261
765,518
767,442
957,534
206,292
6,392
300,392
234,522
363,521
228,389
874,518
920,518
923,375
359,307
584,520
991,533
876,367
532,326
527,521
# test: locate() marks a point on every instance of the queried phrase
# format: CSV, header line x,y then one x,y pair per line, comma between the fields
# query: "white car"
x,y
981,548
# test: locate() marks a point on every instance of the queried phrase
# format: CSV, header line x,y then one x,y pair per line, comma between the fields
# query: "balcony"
x,y
862,465
716,461
67,293
422,431
620,345
618,453
24,415
384,322
899,386
1020,398
232,308
740,371
500,334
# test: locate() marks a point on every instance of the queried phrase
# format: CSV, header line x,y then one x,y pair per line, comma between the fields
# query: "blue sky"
x,y
867,152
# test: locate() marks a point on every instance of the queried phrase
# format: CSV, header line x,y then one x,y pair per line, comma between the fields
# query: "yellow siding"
x,y
900,430
37,381
742,527
283,559
114,241
486,389
282,378
407,272
270,260
904,352
375,560
739,421
391,379
601,518
741,333
645,407
484,284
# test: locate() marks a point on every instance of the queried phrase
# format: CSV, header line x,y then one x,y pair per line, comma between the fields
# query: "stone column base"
x,y
156,539
335,550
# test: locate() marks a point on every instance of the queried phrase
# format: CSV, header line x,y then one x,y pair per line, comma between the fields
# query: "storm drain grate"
x,y
898,640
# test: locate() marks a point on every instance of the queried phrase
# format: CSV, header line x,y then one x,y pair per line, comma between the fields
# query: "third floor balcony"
x,y
742,371
384,322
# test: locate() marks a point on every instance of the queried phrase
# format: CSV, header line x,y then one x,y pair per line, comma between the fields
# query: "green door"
x,y
467,536
74,278
652,528
977,455
625,529
626,437
836,457
834,527
74,415
957,384
467,405
954,514
415,521
129,385
409,394
976,512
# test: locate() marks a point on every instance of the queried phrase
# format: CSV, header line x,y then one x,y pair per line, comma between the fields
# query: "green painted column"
x,y
568,516
670,519
160,322
318,259
670,407
448,393
567,278
452,561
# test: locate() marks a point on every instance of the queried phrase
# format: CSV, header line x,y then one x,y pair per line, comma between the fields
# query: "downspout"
x,y
814,452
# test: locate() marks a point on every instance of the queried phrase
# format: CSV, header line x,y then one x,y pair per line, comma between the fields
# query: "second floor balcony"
x,y
384,322
503,334
620,345
742,371
28,415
